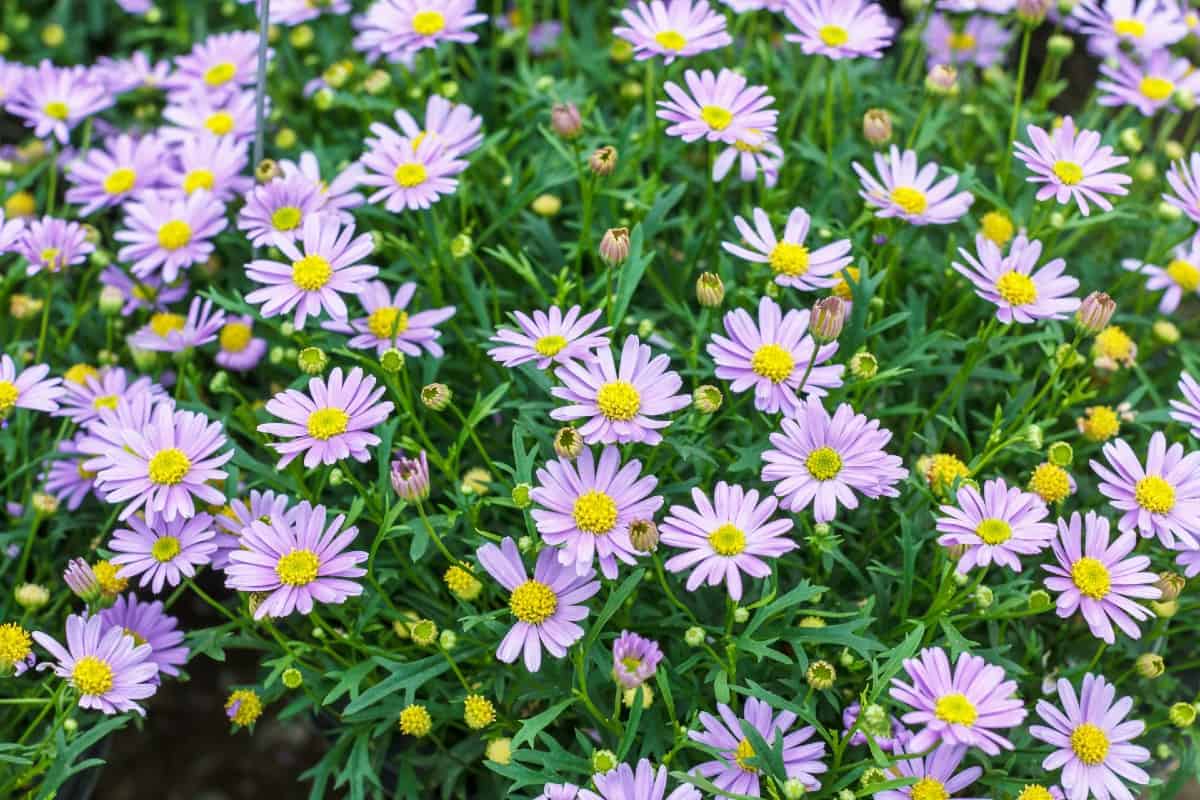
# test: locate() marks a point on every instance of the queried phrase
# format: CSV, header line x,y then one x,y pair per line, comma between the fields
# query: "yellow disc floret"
x,y
1091,577
994,531
9,394
219,123
956,709
415,721
243,707
79,374
716,117
743,754
235,337
168,467
311,273
92,676
286,218
787,258
1017,288
428,23
174,235
550,346
824,463
1068,172
595,512
1185,274
1156,89
15,644
325,423
298,568
1099,423
120,180
533,602
1050,482
219,74
929,789
833,35
727,540
164,549
478,712
387,321
1089,744
619,400
773,363
911,200
410,174
998,227
671,40
1154,494
198,179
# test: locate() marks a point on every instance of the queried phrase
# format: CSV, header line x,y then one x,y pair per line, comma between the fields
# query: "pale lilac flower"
x,y
635,659
999,524
560,791
1187,410
409,174
1181,275
718,108
83,400
982,41
261,506
388,324
1021,291
1072,166
624,783
199,328
66,478
103,664
547,606
454,127
1160,499
120,75
214,164
53,244
219,66
1185,182
969,6
12,75
149,291
337,196
1098,579
758,154
27,388
276,211
672,29
148,623
410,477
167,233
1147,85
742,6
550,337
1144,25
840,29
792,262
241,350
105,435
123,168
400,28
52,100
11,232
908,193
935,775
202,115
297,12
166,553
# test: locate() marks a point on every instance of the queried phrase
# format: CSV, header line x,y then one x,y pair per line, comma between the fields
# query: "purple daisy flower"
x,y
732,771
403,27
934,773
454,128
324,264
559,791
214,164
550,337
635,659
241,350
621,404
11,232
217,67
1000,524
103,664
885,730
337,196
971,6
1146,85
626,783
1072,166
547,606
53,244
53,100
201,115
409,174
83,400
1021,290
742,6
201,327
981,41
166,553
296,12
759,154
332,422
672,29
719,108
908,193
1181,275
232,522
839,29
1185,182
1161,499
410,477
105,435
107,176
163,465
1144,25
587,506
734,533
120,75
1187,410
29,388
276,211
168,233
66,478
793,264
388,324
296,560
821,461
1097,579
776,356
148,292
961,708
1093,741
148,623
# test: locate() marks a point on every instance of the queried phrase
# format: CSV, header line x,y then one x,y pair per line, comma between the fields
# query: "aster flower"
x,y
961,708
776,356
908,193
1181,275
742,6
885,730
559,791
214,164
28,388
759,153
232,522
66,478
403,27
1000,524
148,623
296,560
332,422
454,128
1072,166
337,196
1184,179
1144,25
587,506
1160,499
167,233
52,100
166,553
105,434
297,12
1147,85
165,464
276,211
1187,410
202,115
410,174
635,659
793,264
324,264
83,399
547,606
731,771
219,66
622,403
982,41
11,232
1021,290
839,29
719,108
970,6
410,477
1093,741
821,461
107,176
626,783
148,292
1098,579
732,534
241,350
103,664
550,337
199,328
388,324
672,29
139,71
54,244
935,775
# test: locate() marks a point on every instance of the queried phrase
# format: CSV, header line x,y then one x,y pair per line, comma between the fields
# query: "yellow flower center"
x,y
286,218
910,200
716,117
743,754
834,35
298,568
772,362
961,41
756,146
929,789
138,639
631,664
789,259
671,40
727,540
164,322
1091,577
1127,26
550,345
1016,288
595,512
221,73
955,708
79,373
1114,343
1156,89
1089,743
994,531
164,549
325,423
86,474
248,706
1154,494
997,227
198,179
311,273
1050,482
143,292
1035,792
619,400
235,336
387,321
410,174
219,123
56,109
1068,172
1185,274
824,463
533,602
120,180
92,676
427,23
174,234
106,576
168,467
842,288
14,644
49,257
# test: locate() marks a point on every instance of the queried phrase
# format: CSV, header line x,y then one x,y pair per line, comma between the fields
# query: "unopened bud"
x,y
864,365
741,614
312,360
31,596
1185,98
877,126
820,675
1173,150
614,246
1032,12
448,640
568,443
984,596
1039,600
566,121
292,678
1165,331
1150,665
794,789
1130,140
1165,609
942,80
267,171
707,399
436,396
710,291
111,301
603,161
1094,313
461,246
1182,715
546,205
1060,46
643,535
1171,585
827,319
520,495
694,636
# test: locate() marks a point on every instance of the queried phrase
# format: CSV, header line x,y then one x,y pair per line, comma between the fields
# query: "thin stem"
x,y
1019,94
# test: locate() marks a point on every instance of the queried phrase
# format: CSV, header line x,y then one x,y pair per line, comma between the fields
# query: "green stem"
x,y
1019,93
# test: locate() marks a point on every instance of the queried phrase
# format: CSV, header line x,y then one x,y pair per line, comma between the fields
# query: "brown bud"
x,y
828,318
614,246
1094,313
566,121
643,534
603,161
877,126
1171,585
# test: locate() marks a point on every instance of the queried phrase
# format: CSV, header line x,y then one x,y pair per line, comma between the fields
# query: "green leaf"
x,y
531,727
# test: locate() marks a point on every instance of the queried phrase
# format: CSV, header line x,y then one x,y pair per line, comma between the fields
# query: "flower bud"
x,y
645,328
794,789
448,640
1167,212
1185,98
827,319
1130,140
1173,150
286,139
1182,715
476,480
614,246
520,495
1094,313
603,161
312,360
31,596
43,503
1171,585
410,477
864,365
710,291
604,761
646,693
1039,600
820,675
707,399
423,632
546,205
461,246
377,81
1034,436
984,596
565,120
877,126
1060,45
846,658
436,396
1165,331
872,776
1145,170
111,301
643,535
267,171
741,614
323,99
1165,609
499,751
70,725
391,360
942,80
53,35
694,636
1060,454
568,443
1150,665
1032,12
292,678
